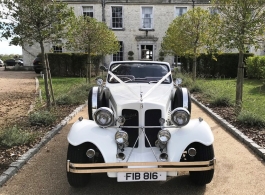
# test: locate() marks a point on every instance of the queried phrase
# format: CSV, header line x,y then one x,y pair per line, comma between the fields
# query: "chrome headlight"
x,y
104,117
121,137
163,136
180,117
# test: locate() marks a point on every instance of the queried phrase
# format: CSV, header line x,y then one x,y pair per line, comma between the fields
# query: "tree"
x,y
191,34
242,26
88,35
35,21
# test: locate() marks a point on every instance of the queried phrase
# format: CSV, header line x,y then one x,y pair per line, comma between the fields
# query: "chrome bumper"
x,y
123,167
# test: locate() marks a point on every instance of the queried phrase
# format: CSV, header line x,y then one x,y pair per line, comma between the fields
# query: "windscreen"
x,y
139,72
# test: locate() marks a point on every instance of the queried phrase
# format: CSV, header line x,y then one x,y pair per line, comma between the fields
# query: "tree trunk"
x,y
89,61
50,79
194,67
239,83
47,92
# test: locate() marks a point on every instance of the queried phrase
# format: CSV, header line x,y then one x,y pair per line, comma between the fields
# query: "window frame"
x,y
142,18
57,49
83,13
119,54
111,18
175,10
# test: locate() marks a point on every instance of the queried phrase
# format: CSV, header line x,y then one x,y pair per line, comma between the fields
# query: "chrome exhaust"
x,y
163,156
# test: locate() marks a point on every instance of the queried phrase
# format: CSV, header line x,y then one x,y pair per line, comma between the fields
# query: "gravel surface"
x,y
17,93
238,171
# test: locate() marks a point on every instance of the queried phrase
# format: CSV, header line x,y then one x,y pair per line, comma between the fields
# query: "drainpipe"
x,y
103,11
103,3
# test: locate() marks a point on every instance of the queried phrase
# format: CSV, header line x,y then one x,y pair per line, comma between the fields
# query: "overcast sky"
x,y
6,49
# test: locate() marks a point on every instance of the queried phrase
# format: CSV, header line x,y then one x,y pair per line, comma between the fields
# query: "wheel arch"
x,y
103,138
195,131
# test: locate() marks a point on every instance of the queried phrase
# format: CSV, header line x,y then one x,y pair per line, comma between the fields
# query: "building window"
x,y
88,11
57,49
180,11
117,17
119,56
147,17
213,10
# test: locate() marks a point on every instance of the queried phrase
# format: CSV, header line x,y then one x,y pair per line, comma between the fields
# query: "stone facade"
x,y
144,42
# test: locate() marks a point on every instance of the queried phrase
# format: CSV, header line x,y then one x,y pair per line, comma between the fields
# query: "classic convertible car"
x,y
139,129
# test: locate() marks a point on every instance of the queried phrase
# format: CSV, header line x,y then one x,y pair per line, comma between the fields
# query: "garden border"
x,y
260,151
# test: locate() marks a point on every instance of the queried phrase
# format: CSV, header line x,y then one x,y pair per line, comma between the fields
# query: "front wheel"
x,y
204,153
77,154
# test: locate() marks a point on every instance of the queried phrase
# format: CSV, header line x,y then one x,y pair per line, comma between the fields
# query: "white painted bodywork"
x,y
159,97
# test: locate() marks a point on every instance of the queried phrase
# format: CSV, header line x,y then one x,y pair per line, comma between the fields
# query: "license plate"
x,y
141,176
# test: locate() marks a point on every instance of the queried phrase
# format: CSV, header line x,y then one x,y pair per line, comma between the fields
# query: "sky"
x,y
4,45
6,49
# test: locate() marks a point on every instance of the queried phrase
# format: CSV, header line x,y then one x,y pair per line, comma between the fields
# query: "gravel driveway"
x,y
17,92
238,171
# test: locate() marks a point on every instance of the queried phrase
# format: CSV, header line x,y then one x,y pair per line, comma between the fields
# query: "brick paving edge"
x,y
17,165
260,151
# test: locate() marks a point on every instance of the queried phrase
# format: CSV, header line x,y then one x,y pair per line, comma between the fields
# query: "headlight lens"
x,y
121,137
180,117
163,136
104,117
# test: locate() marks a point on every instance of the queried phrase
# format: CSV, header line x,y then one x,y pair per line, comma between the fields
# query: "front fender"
x,y
195,131
88,131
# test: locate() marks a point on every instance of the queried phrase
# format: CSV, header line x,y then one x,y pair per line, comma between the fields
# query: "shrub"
x,y
64,99
41,118
130,58
256,67
220,65
13,136
130,53
250,119
196,88
76,96
221,101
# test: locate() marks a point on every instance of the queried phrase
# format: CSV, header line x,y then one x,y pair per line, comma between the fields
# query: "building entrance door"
x,y
147,52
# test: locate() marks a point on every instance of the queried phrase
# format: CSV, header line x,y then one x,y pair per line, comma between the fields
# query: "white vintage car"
x,y
139,129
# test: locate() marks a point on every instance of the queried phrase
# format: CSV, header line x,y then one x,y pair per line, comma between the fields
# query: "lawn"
x,y
72,89
253,93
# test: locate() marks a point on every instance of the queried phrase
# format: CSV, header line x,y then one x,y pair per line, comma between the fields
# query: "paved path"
x,y
238,171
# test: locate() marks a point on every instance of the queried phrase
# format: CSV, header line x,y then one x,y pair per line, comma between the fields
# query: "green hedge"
x,y
72,64
256,67
219,65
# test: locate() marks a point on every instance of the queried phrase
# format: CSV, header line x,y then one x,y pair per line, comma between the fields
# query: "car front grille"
x,y
151,119
132,119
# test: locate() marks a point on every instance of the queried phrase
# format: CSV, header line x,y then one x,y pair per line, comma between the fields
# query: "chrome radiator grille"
x,y
152,119
132,119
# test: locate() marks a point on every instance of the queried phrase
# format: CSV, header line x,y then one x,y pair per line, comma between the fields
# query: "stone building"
x,y
139,25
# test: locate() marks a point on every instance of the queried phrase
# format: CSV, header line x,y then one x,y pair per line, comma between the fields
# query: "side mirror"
x,y
103,68
99,81
178,81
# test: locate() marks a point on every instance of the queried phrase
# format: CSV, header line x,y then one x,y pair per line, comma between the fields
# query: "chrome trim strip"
x,y
94,100
185,98
123,166
145,127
